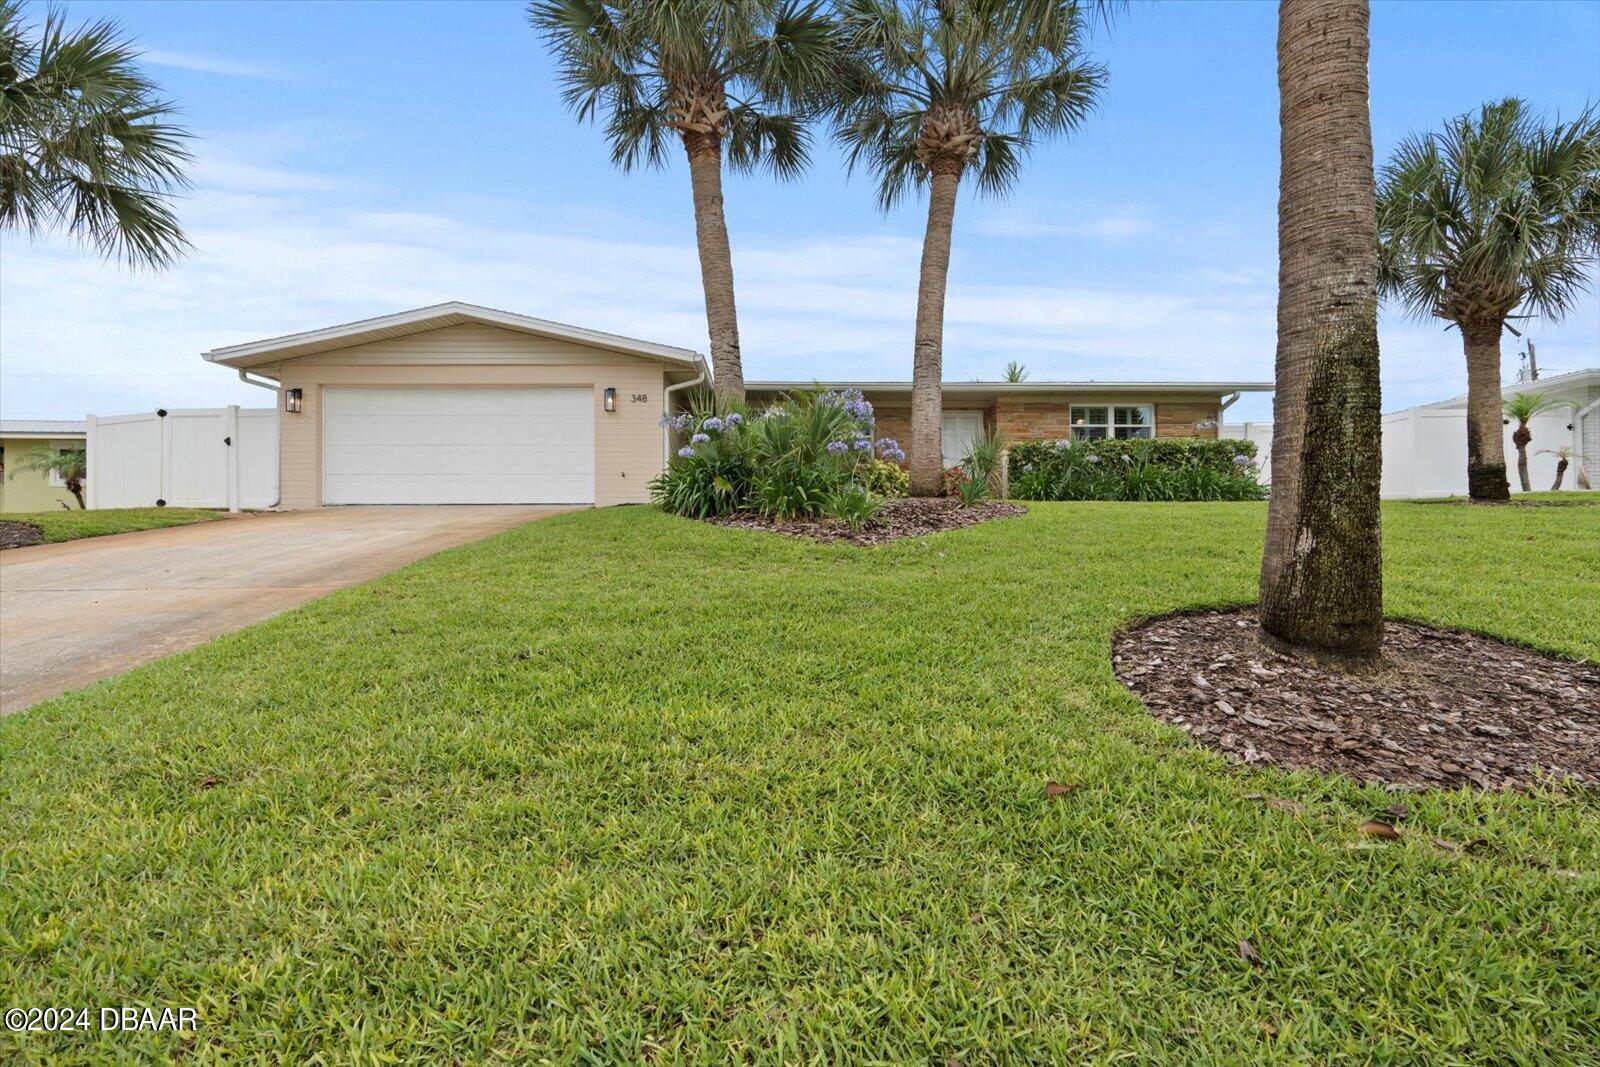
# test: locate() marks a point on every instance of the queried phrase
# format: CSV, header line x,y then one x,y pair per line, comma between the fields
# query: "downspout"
x,y
1580,443
1227,402
244,376
666,409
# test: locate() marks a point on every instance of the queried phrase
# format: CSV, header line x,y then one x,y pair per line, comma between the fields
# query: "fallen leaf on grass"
x,y
207,783
1056,789
1267,1028
1397,811
1248,953
1278,803
1378,828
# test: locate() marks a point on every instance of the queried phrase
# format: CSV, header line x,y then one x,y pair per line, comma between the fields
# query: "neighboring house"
x,y
35,490
459,404
1425,447
1043,411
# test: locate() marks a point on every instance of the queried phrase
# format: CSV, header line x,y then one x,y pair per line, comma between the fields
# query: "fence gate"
x,y
184,457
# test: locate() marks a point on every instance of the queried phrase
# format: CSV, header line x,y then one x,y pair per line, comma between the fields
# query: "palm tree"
x,y
1016,372
71,465
85,145
1321,585
1522,407
714,72
1496,212
939,87
1564,457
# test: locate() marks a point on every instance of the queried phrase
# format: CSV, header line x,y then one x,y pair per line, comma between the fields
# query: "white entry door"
x,y
457,445
957,433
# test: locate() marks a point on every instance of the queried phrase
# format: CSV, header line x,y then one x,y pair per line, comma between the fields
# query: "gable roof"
x,y
437,316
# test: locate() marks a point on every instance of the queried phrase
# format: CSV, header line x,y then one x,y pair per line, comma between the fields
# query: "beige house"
x,y
28,488
459,404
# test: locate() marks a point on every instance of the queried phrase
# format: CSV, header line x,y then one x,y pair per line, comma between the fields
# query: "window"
x,y
1097,421
56,481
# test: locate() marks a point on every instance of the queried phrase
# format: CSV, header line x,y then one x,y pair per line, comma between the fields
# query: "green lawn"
x,y
63,525
619,786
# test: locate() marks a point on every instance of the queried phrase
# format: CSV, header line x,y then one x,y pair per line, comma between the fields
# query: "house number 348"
x,y
641,398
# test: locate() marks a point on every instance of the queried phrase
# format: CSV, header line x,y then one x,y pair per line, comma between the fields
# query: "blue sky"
x,y
356,159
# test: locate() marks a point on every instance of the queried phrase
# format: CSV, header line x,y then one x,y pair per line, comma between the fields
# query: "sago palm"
x,y
938,88
1321,584
1495,214
724,77
1521,409
85,141
1565,457
71,465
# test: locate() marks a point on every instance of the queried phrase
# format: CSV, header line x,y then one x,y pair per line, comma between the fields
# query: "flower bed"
x,y
1135,470
903,517
810,456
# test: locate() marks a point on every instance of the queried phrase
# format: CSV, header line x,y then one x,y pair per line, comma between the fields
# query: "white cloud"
x,y
161,57
276,254
1028,222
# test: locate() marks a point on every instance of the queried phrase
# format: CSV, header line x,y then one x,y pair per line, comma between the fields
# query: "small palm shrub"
x,y
854,505
791,461
977,476
1135,470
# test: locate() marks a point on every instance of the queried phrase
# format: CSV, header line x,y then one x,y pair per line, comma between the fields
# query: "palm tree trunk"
x,y
716,262
1321,582
1486,450
75,487
1561,474
927,364
1521,439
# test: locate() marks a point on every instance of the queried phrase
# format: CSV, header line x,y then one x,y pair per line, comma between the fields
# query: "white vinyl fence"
x,y
1425,450
184,458
1261,434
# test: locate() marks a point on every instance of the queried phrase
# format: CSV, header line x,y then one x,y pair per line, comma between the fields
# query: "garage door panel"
x,y
479,445
402,432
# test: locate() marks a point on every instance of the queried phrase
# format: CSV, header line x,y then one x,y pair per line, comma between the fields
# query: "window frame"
x,y
1110,426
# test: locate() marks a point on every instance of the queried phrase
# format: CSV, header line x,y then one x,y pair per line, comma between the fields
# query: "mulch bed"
x,y
1447,709
19,534
899,517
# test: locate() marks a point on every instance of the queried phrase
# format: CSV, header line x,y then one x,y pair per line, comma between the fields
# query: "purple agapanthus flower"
x,y
1091,459
1027,468
862,444
699,439
734,419
1062,442
713,423
1241,461
685,452
837,448
683,421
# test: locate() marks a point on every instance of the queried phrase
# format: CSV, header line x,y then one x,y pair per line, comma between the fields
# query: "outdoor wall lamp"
x,y
292,399
611,399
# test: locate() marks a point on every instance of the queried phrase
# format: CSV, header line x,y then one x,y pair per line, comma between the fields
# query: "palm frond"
x,y
1496,210
86,142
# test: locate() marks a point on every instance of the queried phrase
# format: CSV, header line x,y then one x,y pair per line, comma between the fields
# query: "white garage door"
x,y
455,445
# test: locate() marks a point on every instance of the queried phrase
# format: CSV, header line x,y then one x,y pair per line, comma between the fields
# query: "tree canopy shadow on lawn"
x,y
619,786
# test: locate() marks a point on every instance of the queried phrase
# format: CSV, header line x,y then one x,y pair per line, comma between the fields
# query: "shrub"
x,y
1135,470
977,476
885,478
853,505
787,462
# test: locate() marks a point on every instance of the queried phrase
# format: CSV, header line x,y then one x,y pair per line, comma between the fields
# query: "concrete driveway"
x,y
78,611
